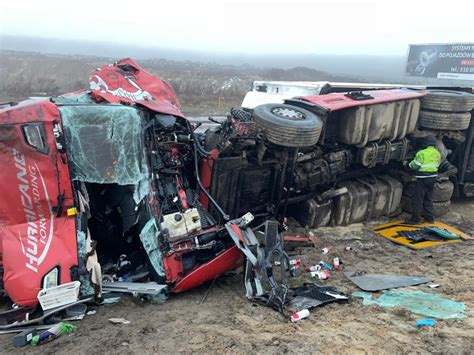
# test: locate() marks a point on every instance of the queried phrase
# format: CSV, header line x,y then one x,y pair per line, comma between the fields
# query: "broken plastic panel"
x,y
311,296
141,190
105,144
418,302
149,238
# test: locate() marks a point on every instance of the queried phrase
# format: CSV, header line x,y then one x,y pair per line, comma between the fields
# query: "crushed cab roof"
x,y
127,82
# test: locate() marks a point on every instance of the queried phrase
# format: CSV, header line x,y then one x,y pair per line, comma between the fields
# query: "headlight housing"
x,y
51,279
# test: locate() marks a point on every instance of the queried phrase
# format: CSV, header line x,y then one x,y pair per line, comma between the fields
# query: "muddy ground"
x,y
227,323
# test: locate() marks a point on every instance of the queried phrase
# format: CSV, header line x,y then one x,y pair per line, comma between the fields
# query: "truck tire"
x,y
442,192
287,125
439,208
448,101
444,120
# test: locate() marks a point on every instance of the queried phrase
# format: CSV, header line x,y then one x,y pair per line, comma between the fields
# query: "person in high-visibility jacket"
x,y
425,167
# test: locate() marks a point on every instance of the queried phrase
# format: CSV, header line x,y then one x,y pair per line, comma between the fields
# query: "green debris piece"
x,y
149,237
418,302
443,233
52,333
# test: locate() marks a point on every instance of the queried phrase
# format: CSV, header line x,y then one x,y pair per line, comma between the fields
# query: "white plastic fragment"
x,y
58,296
304,313
119,321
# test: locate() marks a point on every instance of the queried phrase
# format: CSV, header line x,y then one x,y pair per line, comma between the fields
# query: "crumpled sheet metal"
x,y
127,82
378,282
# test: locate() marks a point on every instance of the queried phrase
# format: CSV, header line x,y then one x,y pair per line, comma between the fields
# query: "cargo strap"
x,y
388,152
405,143
375,153
371,196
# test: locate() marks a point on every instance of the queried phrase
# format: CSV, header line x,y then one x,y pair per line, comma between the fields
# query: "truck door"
x,y
38,239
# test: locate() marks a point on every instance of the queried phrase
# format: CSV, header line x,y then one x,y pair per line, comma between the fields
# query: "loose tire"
x,y
287,125
448,101
444,120
439,208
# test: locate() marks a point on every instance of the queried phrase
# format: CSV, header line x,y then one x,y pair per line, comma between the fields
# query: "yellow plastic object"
x,y
71,211
390,231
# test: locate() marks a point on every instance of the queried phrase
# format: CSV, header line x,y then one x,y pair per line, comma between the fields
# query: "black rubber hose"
x,y
197,145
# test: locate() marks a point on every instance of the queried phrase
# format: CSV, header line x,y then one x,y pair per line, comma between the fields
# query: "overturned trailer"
x,y
114,183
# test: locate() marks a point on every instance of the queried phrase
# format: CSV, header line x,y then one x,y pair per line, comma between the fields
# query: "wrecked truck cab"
x,y
100,186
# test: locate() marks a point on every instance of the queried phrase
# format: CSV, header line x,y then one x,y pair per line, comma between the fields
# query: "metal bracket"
x,y
148,288
261,260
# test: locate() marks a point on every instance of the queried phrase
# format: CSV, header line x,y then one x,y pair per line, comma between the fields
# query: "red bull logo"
x,y
97,83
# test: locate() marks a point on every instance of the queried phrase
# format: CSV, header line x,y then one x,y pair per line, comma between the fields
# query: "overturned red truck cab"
x,y
103,173
115,183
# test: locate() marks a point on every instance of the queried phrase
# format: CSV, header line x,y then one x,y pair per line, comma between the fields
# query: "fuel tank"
x,y
390,120
369,197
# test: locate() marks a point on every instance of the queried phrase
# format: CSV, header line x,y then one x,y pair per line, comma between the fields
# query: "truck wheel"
x,y
444,120
442,192
287,125
447,100
439,208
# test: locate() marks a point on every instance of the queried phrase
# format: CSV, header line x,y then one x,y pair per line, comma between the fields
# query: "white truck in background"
x,y
264,92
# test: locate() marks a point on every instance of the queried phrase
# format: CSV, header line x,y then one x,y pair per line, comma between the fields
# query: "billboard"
x,y
441,61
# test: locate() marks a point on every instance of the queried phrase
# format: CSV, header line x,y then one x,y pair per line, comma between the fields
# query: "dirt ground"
x,y
227,323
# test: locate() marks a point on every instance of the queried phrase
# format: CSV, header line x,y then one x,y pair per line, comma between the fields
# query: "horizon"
x,y
71,42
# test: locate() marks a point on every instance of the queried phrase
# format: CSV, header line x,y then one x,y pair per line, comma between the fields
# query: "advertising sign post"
x,y
441,61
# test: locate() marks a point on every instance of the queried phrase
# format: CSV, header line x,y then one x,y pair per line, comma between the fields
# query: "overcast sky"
x,y
248,26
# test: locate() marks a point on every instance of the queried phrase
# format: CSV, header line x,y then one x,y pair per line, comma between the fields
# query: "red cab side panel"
x,y
34,238
228,260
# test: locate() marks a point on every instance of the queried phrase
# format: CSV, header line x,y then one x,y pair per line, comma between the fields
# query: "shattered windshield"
x,y
81,96
104,144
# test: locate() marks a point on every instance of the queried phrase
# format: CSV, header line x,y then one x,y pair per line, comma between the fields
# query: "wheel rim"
x,y
288,113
